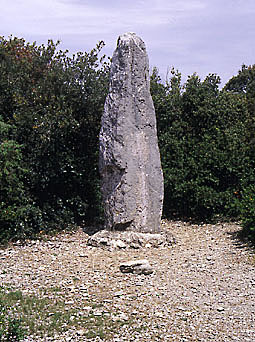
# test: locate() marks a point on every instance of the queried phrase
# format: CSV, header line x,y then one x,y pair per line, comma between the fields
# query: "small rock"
x,y
83,289
134,245
69,302
159,314
129,239
80,332
88,309
137,267
220,308
118,244
120,317
123,317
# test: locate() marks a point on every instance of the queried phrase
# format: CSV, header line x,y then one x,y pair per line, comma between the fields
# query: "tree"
x,y
202,140
243,84
18,213
54,102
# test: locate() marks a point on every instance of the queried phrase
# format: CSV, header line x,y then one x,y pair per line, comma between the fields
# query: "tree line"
x,y
50,111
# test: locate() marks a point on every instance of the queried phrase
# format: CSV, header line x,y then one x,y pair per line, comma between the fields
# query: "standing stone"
x,y
129,160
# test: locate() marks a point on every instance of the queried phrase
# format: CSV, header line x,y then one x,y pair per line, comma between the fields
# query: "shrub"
x,y
203,143
247,212
18,214
53,103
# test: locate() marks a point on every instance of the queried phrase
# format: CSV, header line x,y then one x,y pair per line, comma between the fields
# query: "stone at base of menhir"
x,y
137,267
119,240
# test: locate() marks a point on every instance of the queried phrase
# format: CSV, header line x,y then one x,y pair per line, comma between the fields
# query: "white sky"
x,y
203,36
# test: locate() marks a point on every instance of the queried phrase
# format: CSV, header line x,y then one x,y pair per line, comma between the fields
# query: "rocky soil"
x,y
202,289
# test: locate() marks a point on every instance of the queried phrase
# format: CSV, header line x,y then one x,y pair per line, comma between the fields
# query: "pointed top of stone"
x,y
130,38
128,35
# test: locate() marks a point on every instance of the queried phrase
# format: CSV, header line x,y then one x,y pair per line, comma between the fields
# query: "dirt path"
x,y
203,287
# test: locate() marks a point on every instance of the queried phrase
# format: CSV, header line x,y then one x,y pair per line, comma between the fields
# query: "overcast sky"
x,y
203,36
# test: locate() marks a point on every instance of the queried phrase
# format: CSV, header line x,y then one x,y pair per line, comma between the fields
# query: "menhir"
x,y
129,159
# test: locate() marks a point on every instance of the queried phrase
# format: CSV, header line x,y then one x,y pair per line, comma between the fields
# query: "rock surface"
x,y
129,160
129,239
137,267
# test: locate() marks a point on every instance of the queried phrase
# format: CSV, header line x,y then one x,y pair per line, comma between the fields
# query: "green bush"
x,y
53,104
18,215
203,143
247,212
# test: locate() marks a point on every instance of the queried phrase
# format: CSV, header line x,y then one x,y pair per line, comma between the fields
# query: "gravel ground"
x,y
203,287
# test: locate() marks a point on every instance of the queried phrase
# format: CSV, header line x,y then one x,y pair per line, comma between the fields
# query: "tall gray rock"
x,y
129,160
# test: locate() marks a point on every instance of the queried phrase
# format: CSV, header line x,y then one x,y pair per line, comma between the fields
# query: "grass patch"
x,y
11,328
49,314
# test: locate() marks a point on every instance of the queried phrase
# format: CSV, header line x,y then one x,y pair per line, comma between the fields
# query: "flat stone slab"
x,y
129,239
137,267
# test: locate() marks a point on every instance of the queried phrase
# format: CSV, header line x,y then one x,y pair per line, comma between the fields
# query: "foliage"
x,y
203,142
50,112
243,84
247,208
54,103
17,213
